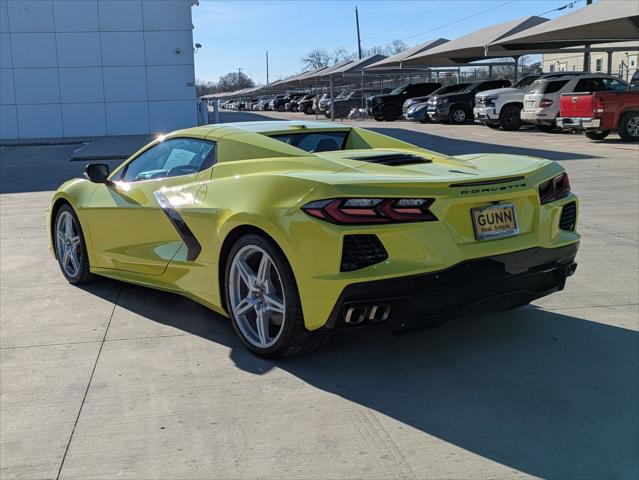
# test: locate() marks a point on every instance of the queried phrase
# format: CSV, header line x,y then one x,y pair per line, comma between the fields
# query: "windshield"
x,y
398,90
525,82
469,88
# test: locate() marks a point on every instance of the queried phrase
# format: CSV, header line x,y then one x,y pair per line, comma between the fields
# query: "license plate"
x,y
494,221
530,103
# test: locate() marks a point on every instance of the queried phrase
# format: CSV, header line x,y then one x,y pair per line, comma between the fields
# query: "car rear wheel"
x,y
494,126
457,115
308,110
510,118
629,127
263,302
70,249
600,135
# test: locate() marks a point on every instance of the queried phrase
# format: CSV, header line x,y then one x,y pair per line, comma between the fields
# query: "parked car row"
x,y
593,103
596,104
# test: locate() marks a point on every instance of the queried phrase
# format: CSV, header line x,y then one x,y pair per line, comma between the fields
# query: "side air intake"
x,y
361,251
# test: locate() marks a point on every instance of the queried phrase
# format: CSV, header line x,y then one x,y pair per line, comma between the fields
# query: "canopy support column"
x,y
458,74
587,59
609,64
331,94
490,72
516,68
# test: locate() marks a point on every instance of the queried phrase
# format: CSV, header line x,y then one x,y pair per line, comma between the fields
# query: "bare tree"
x,y
396,46
316,58
227,83
340,54
234,81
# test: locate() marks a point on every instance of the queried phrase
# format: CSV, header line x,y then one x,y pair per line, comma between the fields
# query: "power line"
x,y
460,20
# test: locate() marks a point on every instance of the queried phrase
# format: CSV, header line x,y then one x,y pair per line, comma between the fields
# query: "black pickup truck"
x,y
389,106
457,107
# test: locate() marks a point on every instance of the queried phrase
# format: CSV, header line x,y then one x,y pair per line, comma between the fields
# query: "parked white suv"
x,y
502,107
541,103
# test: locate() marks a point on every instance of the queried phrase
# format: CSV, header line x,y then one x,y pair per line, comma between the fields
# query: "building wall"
x,y
95,67
624,63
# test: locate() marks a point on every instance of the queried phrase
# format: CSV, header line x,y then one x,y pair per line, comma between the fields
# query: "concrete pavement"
x,y
114,380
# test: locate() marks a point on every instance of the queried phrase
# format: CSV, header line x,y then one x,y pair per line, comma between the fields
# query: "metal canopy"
x,y
357,66
606,21
395,61
472,47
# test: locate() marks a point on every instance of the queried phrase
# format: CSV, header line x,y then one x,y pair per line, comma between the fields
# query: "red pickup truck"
x,y
599,113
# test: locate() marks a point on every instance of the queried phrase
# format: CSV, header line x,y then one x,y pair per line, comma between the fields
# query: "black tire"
x,y
294,339
280,108
494,126
510,117
83,274
629,127
379,119
308,110
424,120
457,115
598,135
390,113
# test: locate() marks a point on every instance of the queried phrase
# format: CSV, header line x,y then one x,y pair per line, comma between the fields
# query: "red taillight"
x,y
371,210
597,105
545,102
554,189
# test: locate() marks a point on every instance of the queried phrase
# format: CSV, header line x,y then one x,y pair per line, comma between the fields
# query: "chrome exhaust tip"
x,y
379,313
355,315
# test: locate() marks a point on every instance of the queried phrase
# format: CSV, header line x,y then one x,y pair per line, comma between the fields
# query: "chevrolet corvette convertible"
x,y
297,229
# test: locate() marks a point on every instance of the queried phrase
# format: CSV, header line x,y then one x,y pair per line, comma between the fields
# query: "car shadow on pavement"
x,y
451,145
548,394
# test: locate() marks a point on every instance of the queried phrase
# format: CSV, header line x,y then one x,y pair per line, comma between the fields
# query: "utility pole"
x,y
239,77
267,67
359,42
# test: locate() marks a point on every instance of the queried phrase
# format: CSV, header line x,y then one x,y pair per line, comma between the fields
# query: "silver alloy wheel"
x,y
68,244
633,126
459,116
257,297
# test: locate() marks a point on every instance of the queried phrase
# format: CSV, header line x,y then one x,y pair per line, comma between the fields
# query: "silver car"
x,y
541,103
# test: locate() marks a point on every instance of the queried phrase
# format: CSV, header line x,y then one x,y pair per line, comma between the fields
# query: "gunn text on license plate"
x,y
494,221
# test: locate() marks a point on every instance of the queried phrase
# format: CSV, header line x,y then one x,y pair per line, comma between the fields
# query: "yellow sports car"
x,y
297,229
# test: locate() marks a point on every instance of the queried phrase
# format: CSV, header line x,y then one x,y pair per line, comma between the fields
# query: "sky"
x,y
236,33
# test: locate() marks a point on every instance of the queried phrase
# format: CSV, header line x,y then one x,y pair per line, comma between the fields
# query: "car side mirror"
x,y
97,172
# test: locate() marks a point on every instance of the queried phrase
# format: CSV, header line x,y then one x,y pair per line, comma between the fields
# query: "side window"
x,y
590,85
614,85
171,158
554,87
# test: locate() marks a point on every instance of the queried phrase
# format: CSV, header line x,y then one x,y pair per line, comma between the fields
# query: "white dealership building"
x,y
73,68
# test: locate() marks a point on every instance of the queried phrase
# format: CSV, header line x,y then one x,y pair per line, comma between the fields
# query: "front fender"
x,y
77,193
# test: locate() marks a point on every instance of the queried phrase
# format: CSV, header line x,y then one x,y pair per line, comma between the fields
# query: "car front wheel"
x,y
70,249
510,118
457,115
263,302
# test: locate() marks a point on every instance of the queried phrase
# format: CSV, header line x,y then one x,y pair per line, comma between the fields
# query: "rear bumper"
x,y
480,285
579,123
